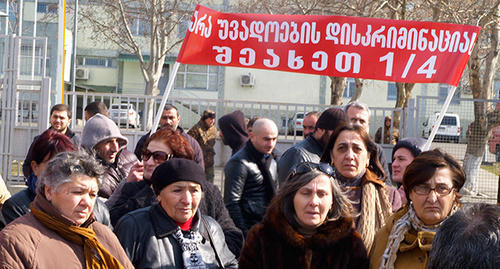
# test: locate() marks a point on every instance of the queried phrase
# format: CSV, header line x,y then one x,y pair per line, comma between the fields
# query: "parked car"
x,y
123,114
449,130
295,123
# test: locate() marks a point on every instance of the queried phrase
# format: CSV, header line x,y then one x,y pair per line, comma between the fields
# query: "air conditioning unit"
x,y
82,73
247,80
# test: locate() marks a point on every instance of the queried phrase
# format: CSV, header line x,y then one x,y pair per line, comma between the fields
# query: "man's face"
x,y
309,124
264,140
59,121
359,116
108,150
169,118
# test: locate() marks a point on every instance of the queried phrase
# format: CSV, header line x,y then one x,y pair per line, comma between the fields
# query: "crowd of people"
x,y
330,201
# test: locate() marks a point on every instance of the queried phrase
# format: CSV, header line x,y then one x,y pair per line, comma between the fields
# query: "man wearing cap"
x,y
311,148
206,134
102,136
252,176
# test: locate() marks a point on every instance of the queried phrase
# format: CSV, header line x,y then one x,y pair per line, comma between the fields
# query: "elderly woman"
x,y
307,225
432,183
172,233
353,155
44,149
60,231
160,147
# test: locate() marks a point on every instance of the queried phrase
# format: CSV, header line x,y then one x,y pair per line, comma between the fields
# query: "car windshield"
x,y
447,120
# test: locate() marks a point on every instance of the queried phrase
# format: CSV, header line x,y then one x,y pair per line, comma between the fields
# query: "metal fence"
x,y
459,116
413,124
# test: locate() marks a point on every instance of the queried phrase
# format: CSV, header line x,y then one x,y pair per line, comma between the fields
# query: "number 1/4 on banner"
x,y
392,50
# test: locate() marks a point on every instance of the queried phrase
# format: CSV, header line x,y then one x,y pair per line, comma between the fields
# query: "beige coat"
x,y
413,251
27,243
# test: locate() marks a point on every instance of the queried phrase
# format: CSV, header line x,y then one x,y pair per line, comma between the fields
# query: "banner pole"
x,y
440,118
168,89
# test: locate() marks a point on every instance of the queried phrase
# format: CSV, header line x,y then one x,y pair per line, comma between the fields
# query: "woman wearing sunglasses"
x,y
432,183
307,225
162,146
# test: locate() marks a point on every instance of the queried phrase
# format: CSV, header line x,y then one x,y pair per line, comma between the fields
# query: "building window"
x,y
197,77
46,8
95,61
349,88
139,27
392,92
443,93
31,63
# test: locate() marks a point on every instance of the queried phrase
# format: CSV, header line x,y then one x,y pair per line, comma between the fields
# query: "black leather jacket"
x,y
136,195
248,191
308,150
146,236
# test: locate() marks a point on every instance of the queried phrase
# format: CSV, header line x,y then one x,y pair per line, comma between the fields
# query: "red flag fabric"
x,y
392,50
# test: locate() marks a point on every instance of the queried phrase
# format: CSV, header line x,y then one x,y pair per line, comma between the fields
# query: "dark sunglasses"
x,y
306,167
158,156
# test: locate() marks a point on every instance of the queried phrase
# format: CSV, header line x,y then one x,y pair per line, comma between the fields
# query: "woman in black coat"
x,y
307,225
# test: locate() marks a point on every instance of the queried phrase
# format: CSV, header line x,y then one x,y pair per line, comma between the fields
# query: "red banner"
x,y
356,47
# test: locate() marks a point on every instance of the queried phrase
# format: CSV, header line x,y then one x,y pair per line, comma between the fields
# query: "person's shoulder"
x,y
137,217
21,230
20,198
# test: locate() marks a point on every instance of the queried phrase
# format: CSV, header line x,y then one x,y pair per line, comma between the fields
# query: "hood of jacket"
x,y
100,128
234,130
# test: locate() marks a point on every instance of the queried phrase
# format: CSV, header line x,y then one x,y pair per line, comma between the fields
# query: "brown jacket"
x,y
27,243
413,250
274,243
206,137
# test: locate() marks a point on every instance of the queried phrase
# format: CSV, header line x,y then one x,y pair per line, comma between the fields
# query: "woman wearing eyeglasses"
x,y
307,225
164,145
433,181
353,154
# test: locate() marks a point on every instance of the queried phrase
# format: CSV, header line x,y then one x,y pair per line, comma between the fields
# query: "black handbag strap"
x,y
219,261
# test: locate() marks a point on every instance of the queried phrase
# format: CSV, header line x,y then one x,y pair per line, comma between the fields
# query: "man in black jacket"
x,y
253,176
170,117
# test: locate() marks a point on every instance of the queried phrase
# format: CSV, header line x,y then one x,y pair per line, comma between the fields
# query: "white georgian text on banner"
x,y
392,50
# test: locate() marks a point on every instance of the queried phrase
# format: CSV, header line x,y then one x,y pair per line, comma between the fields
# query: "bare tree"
x,y
481,70
147,29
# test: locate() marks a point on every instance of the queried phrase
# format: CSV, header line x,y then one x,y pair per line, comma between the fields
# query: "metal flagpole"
x,y
440,118
168,89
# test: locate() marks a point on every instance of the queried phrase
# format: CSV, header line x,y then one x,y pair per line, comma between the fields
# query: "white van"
x,y
449,130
